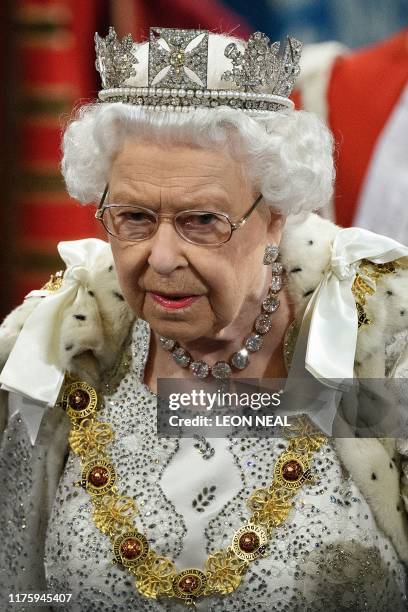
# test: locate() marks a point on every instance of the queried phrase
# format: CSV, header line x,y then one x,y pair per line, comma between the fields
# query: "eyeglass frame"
x,y
234,225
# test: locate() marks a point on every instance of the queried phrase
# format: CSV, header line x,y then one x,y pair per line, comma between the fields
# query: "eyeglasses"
x,y
136,223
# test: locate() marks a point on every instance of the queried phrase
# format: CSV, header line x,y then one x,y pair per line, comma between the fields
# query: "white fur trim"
x,y
378,478
305,254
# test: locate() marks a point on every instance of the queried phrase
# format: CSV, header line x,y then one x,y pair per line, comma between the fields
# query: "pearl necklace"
x,y
240,359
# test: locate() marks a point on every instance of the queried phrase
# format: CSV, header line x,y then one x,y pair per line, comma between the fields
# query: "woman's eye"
x,y
201,219
135,217
207,219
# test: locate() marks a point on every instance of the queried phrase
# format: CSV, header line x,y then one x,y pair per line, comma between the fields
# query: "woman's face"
x,y
228,282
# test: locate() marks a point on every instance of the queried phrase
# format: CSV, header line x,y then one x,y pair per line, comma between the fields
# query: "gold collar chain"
x,y
113,513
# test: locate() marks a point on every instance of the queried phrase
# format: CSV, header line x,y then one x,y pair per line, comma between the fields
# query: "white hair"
x,y
287,155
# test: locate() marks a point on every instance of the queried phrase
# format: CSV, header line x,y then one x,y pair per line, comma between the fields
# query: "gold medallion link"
x,y
113,513
155,576
89,437
224,570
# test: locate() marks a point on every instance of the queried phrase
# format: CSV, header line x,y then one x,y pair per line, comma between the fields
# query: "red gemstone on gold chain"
x,y
98,476
188,583
131,548
249,541
78,399
292,470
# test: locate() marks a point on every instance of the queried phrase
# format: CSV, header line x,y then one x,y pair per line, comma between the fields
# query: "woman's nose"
x,y
166,249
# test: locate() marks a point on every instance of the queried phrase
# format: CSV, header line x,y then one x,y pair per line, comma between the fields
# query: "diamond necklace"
x,y
240,359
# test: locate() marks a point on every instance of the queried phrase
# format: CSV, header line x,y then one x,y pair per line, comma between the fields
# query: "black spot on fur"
x,y
391,466
119,296
398,507
310,242
373,476
110,268
308,293
295,270
91,293
402,312
80,317
389,292
69,347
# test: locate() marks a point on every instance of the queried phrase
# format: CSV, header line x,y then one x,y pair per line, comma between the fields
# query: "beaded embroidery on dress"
x,y
329,555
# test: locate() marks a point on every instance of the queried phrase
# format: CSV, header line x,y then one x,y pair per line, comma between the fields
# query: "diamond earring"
x,y
270,255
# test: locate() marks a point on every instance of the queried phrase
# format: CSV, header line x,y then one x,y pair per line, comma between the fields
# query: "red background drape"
x,y
52,51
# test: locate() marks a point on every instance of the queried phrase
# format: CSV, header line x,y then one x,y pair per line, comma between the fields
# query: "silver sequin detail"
x,y
204,498
203,447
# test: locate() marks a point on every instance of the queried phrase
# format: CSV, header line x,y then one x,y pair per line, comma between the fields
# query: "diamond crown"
x,y
259,78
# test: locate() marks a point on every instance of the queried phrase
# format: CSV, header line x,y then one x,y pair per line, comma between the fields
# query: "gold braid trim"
x,y
55,281
365,284
113,514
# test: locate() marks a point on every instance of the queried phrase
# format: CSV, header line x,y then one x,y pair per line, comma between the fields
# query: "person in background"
x,y
363,97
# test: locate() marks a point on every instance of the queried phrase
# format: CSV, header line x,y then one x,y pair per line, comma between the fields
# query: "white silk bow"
x,y
330,322
32,368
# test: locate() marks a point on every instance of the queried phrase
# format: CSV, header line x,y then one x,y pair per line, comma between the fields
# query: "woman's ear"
x,y
275,226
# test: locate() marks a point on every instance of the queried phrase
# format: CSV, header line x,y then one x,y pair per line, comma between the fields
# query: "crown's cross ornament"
x,y
261,66
114,58
178,58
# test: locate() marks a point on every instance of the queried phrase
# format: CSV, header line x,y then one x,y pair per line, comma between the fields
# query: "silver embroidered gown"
x,y
328,556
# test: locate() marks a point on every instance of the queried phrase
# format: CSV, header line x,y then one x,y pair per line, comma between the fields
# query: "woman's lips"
x,y
174,302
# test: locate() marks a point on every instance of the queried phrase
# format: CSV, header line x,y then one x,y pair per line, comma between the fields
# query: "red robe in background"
x,y
55,70
357,94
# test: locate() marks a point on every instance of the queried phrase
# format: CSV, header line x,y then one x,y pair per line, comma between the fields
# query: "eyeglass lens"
x,y
134,224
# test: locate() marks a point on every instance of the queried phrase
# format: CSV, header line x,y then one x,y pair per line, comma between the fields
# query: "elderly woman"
x,y
205,179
